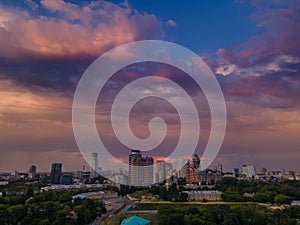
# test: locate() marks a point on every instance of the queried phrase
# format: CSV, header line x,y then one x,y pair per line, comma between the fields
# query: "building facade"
x,y
161,170
140,169
32,171
67,179
95,165
208,195
193,170
182,164
55,175
196,176
249,171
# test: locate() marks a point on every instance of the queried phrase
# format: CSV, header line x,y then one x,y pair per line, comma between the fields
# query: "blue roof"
x,y
135,220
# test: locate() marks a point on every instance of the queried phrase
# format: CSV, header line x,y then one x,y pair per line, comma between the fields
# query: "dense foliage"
x,y
282,192
23,204
224,214
171,194
234,190
248,214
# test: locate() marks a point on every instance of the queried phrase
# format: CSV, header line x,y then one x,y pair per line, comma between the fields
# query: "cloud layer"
x,y
69,29
46,47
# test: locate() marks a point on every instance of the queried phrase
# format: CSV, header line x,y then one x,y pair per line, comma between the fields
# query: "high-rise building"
x,y
55,173
196,162
193,171
140,169
249,171
219,167
182,164
169,170
161,170
32,171
95,166
236,172
135,174
195,176
67,179
119,179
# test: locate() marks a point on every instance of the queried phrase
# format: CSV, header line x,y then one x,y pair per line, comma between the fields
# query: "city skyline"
x,y
253,48
158,164
143,172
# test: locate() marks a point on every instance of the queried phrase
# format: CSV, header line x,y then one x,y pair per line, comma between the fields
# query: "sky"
x,y
253,48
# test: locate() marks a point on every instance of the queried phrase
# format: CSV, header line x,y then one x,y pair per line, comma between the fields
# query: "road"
x,y
117,203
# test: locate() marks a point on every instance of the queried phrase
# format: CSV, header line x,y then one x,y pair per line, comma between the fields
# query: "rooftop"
x,y
207,192
135,220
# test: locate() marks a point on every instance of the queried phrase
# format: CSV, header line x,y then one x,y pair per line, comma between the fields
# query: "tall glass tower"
x,y
55,173
95,166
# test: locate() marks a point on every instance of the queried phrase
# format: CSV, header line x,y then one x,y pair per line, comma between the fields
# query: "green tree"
x,y
282,199
16,213
232,196
262,197
44,222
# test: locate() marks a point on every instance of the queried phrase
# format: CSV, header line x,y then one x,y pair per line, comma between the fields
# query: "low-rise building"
x,y
288,175
210,195
295,203
74,186
97,195
249,195
3,182
228,174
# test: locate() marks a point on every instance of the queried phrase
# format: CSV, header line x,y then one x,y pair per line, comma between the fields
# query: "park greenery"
x,y
234,190
225,214
25,204
212,214
283,192
171,194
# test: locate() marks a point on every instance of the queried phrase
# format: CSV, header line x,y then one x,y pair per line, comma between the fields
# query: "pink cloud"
x,y
171,23
72,11
89,29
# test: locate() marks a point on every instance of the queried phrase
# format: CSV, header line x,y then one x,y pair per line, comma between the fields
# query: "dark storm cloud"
x,y
51,48
39,72
274,90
